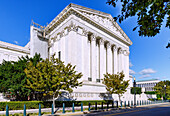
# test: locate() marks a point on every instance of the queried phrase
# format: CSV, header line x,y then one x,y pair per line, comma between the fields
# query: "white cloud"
x,y
16,42
147,71
130,64
145,76
131,72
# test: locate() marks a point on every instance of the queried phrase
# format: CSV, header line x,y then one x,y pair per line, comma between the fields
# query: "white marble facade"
x,y
89,39
11,52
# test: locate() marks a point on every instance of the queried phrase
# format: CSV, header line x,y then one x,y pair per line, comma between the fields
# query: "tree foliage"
x,y
150,13
137,90
168,46
115,84
13,77
52,76
160,88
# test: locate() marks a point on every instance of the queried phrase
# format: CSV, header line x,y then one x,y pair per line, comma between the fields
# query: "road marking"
x,y
126,112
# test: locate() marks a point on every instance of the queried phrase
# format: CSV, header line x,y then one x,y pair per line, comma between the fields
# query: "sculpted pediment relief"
x,y
101,20
107,23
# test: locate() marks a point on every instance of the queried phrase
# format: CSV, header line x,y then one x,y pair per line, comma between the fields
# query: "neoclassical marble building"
x,y
11,52
89,39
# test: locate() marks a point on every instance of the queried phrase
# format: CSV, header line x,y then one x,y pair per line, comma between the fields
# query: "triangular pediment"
x,y
102,19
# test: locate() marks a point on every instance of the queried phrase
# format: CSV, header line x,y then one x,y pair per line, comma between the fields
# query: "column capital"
x,y
101,41
114,48
126,53
120,51
85,33
108,45
93,37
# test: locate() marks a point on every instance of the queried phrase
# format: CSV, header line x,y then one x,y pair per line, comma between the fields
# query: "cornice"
x,y
69,10
14,47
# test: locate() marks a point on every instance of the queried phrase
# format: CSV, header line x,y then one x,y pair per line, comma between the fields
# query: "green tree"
x,y
160,88
13,77
52,76
6,72
137,90
150,13
115,84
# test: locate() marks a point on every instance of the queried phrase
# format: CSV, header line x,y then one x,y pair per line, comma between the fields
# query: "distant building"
x,y
147,84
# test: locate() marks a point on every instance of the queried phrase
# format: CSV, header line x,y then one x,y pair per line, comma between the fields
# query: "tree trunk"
x,y
119,98
54,101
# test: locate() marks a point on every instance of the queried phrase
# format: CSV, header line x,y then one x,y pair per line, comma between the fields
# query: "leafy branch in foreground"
x,y
150,13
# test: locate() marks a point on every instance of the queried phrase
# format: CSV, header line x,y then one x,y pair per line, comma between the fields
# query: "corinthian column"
x,y
115,64
120,60
85,56
109,58
126,64
94,58
102,58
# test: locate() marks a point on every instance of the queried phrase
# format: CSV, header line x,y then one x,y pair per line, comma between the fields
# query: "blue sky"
x,y
148,56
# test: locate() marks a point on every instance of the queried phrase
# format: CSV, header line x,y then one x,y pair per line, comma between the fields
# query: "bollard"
x,y
107,105
112,104
39,114
131,103
96,106
24,110
137,103
63,107
81,107
117,104
7,110
52,109
125,104
73,108
89,106
128,103
140,102
121,104
102,105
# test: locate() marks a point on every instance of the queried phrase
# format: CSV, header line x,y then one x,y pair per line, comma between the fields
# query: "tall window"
x,y
59,55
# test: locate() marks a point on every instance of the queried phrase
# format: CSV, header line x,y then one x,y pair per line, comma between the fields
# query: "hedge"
x,y
19,105
150,92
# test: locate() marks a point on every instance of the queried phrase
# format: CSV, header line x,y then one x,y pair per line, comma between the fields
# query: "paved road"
x,y
161,110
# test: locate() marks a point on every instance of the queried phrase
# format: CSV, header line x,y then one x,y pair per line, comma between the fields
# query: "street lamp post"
x,y
165,91
134,85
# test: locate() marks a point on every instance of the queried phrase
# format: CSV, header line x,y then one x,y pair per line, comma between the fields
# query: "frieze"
x,y
82,31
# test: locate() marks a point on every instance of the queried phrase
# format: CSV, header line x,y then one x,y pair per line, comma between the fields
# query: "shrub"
x,y
159,99
137,89
150,92
19,105
168,98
